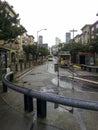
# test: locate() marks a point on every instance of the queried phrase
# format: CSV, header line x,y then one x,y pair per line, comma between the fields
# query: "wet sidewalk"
x,y
13,117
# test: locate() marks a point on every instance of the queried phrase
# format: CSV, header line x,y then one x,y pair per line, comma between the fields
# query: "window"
x,y
97,25
92,29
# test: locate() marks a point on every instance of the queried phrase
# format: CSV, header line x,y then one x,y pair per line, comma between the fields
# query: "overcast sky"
x,y
57,16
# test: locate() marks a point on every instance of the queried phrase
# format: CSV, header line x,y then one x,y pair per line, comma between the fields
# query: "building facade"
x,y
93,29
67,37
85,34
40,39
57,41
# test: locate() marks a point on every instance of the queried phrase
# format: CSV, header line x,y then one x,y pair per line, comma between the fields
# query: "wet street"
x,y
80,85
44,78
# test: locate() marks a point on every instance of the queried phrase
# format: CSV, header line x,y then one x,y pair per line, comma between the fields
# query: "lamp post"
x,y
37,34
38,41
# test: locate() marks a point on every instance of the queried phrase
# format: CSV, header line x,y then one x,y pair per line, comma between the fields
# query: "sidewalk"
x,y
13,117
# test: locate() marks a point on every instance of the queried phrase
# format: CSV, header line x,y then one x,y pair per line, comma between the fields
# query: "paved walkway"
x,y
13,117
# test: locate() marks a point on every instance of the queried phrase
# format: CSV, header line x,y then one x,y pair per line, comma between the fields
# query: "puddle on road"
x,y
68,83
44,89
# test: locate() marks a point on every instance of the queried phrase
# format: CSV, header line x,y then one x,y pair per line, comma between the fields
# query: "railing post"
x,y
41,108
28,103
11,77
4,88
4,71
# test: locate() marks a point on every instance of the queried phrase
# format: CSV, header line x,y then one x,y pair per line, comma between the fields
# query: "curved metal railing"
x,y
47,97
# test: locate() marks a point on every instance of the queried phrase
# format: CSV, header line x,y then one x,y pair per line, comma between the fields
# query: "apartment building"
x,y
67,37
93,29
85,34
77,38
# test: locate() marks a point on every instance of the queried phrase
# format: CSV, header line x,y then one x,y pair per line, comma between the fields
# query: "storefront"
x,y
85,58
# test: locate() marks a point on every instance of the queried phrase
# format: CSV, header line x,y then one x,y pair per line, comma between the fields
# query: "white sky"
x,y
57,16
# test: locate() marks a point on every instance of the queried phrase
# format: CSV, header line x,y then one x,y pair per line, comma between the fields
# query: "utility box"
x,y
55,67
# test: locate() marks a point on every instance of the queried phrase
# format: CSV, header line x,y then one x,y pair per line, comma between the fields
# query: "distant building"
x,y
40,39
67,37
57,41
45,45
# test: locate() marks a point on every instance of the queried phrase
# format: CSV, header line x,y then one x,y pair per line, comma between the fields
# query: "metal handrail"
x,y
84,104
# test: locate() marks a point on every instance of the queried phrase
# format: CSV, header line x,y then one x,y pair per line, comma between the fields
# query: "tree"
x,y
9,26
43,51
35,51
26,49
74,48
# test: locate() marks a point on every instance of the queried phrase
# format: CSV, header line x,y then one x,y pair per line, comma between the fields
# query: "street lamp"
x,y
38,32
38,41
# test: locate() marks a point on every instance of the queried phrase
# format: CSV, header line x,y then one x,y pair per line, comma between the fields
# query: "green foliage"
x,y
43,51
35,51
9,28
74,48
21,60
14,81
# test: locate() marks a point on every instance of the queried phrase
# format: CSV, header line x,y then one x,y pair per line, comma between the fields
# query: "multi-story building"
x,y
57,41
67,37
54,50
40,39
9,9
77,38
93,28
86,34
94,34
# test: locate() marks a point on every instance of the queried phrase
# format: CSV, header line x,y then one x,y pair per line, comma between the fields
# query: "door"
x,y
82,59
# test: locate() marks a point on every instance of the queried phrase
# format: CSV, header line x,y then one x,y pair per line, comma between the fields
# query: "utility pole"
x,y
73,31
